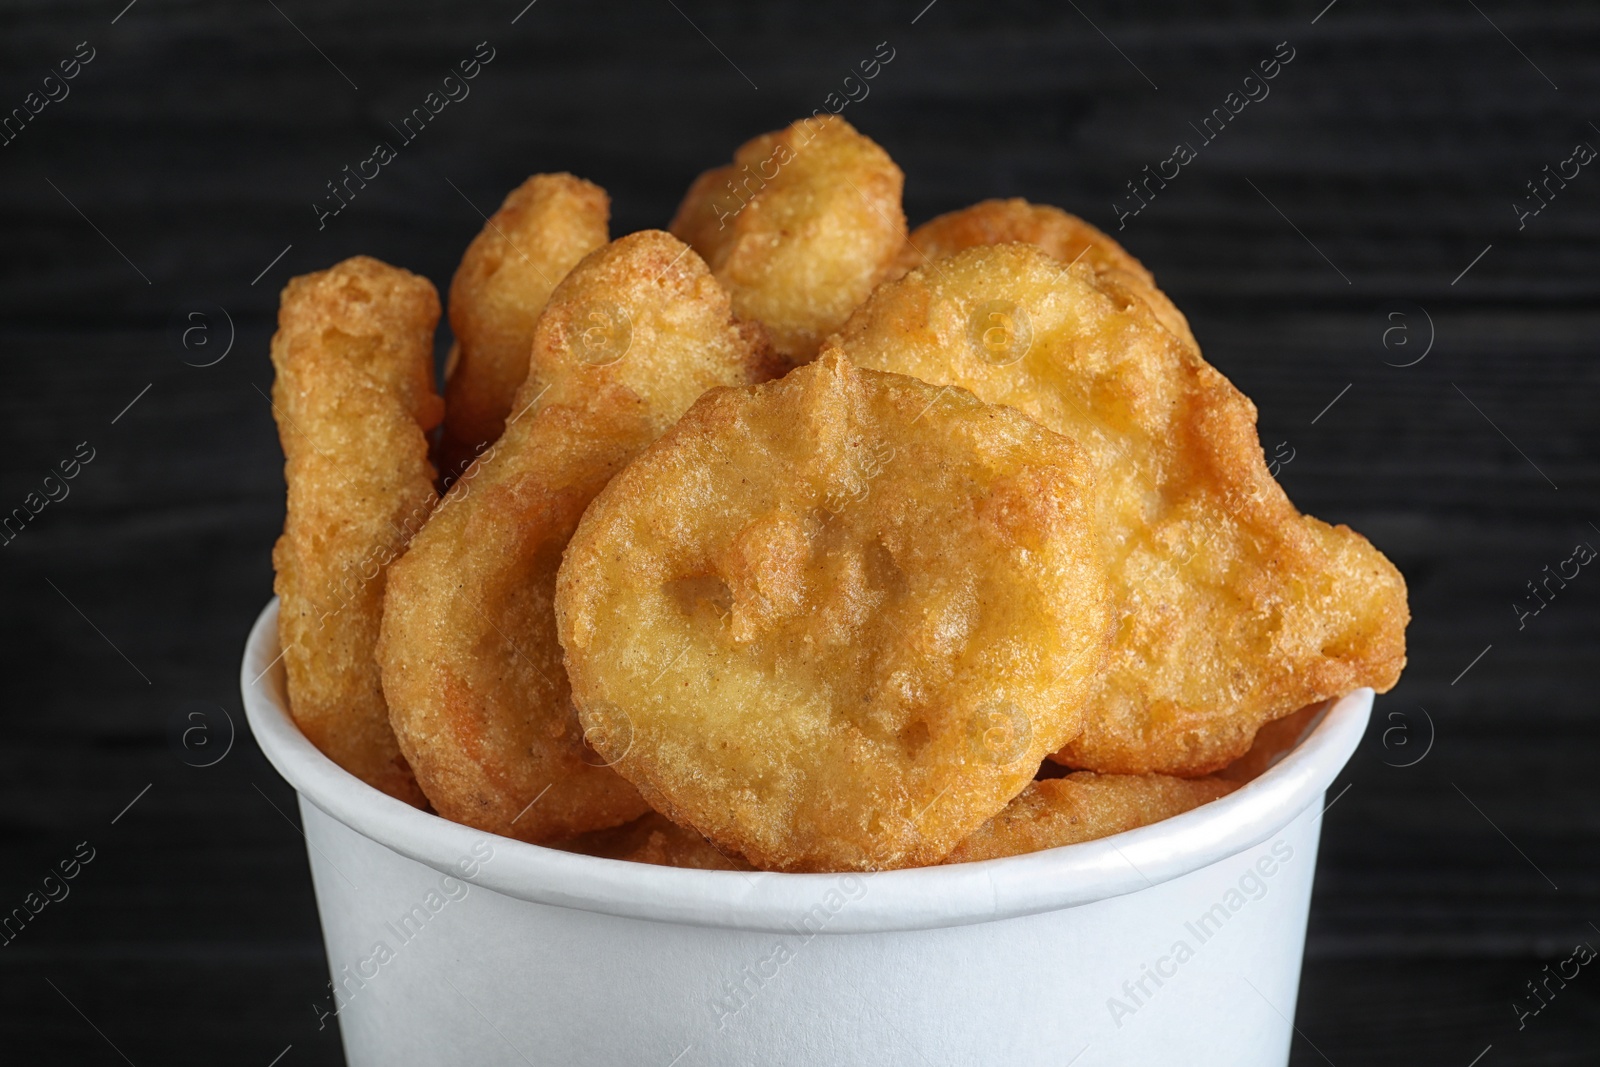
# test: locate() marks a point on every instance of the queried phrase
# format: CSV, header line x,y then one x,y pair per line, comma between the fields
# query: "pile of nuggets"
x,y
789,540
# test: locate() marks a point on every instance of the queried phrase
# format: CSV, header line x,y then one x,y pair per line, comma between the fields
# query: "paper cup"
x,y
1174,943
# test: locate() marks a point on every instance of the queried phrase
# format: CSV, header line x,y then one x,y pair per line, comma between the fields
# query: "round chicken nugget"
x,y
1233,608
1084,807
1067,238
833,622
545,226
354,398
799,228
471,665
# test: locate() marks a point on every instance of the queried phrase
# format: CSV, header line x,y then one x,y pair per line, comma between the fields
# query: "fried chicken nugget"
x,y
654,838
1234,609
545,226
1085,806
353,398
1272,741
1067,238
833,622
471,665
799,227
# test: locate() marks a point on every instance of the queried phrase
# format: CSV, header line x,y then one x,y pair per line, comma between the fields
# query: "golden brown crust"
x,y
545,226
1084,807
833,622
654,838
799,228
1271,742
1066,238
471,664
1235,609
353,397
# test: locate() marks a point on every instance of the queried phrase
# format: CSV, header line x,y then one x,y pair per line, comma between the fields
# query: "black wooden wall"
x,y
1378,192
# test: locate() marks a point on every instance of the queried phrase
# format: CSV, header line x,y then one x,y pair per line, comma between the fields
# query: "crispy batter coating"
x,y
1067,238
354,399
799,227
1233,608
545,226
1085,806
1272,741
654,838
471,665
833,622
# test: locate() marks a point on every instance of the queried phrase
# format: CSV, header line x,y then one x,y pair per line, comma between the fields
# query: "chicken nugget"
x,y
833,622
1067,238
1273,741
799,227
1234,609
353,398
471,665
545,226
654,838
1084,806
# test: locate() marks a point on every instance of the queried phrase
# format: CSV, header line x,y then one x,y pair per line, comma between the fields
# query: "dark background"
x,y
1397,141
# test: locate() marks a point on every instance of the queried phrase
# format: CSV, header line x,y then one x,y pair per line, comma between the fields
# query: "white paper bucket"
x,y
1178,943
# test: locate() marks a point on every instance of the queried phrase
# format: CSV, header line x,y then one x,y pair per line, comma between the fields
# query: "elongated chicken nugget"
x,y
1067,238
799,228
471,665
1084,807
354,399
545,226
1234,609
833,622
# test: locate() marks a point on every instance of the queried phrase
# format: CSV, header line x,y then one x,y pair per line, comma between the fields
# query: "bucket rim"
x,y
919,898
